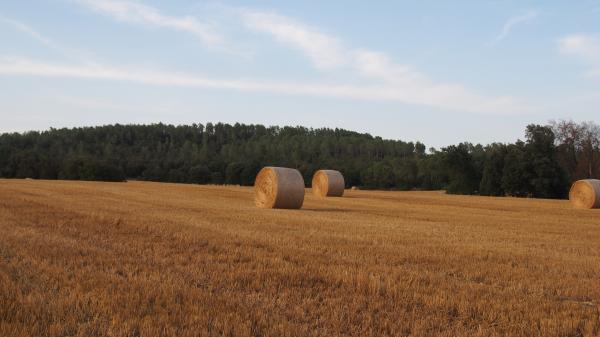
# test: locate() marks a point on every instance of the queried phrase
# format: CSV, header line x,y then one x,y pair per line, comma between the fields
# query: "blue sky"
x,y
439,72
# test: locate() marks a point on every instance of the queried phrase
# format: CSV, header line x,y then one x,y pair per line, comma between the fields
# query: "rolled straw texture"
x,y
279,187
328,183
585,194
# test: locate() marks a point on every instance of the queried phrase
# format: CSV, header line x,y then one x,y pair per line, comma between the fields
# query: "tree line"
x,y
542,165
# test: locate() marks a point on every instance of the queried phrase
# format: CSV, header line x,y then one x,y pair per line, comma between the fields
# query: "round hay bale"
x,y
279,187
328,183
355,188
585,194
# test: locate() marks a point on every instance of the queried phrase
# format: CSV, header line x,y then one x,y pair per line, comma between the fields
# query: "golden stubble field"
x,y
151,259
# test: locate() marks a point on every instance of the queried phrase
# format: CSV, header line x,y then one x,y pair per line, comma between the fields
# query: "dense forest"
x,y
542,165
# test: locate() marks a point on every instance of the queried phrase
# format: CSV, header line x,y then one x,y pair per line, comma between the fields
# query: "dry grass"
x,y
149,259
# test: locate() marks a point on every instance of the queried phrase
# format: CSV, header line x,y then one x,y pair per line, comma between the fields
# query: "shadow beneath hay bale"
x,y
328,210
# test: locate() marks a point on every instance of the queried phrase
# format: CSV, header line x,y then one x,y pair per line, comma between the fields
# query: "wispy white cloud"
x,y
585,47
440,96
413,87
69,53
380,77
137,13
395,81
513,21
379,65
323,50
29,31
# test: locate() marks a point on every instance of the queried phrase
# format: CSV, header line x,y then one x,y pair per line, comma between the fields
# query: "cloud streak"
x,y
381,79
440,96
396,81
324,51
49,43
513,21
137,13
29,31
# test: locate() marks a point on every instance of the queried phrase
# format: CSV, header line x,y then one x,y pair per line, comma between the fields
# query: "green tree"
x,y
378,175
517,172
548,178
199,174
493,169
463,174
234,154
233,173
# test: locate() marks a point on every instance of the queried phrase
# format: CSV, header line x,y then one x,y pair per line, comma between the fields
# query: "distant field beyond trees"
x,y
543,165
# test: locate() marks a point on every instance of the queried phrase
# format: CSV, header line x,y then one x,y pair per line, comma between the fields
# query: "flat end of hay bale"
x,y
585,194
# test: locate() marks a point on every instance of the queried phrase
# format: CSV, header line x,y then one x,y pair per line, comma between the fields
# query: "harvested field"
x,y
151,259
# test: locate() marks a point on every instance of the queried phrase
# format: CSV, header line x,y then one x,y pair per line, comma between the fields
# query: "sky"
x,y
438,72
